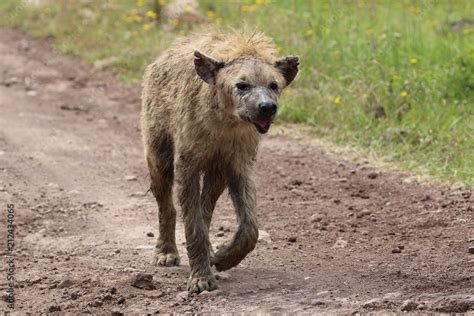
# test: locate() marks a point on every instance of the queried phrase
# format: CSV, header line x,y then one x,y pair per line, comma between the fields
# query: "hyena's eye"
x,y
273,85
242,86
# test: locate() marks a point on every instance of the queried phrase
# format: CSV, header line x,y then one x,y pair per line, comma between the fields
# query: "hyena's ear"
x,y
288,66
207,67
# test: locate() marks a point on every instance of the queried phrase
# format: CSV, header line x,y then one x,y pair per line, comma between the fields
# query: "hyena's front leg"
x,y
243,194
213,185
196,231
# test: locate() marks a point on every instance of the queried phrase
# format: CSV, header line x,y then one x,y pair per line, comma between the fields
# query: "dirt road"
x,y
336,235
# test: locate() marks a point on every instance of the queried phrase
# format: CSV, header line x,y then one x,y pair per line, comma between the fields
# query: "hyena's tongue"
x,y
264,123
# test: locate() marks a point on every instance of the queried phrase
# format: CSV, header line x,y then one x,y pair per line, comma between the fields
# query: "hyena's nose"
x,y
267,109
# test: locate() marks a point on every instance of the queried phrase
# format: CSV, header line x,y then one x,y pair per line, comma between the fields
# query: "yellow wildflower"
x,y
413,61
309,32
137,18
161,2
146,27
151,14
127,18
248,8
188,8
364,95
259,2
403,93
337,100
140,3
210,14
279,49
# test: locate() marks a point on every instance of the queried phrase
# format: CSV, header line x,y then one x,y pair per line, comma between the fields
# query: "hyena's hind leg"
x,y
159,158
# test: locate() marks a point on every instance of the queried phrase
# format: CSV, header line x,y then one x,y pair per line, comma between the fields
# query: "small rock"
x,y
264,237
371,303
296,182
364,212
372,175
466,194
54,308
317,302
408,306
131,178
471,249
138,194
31,93
340,243
65,284
150,234
113,290
182,296
96,303
117,250
316,218
396,250
75,295
143,281
2,189
211,294
220,234
292,239
222,275
121,300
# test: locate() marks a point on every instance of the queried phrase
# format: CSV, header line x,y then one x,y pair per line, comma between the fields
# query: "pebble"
x,y
143,281
408,306
340,243
317,302
371,303
316,218
220,234
113,290
138,194
264,237
372,175
396,250
131,178
150,234
292,239
182,296
222,275
471,249
211,294
65,284
117,251
54,308
364,212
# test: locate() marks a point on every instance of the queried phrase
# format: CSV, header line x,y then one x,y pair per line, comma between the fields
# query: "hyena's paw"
x,y
166,258
203,283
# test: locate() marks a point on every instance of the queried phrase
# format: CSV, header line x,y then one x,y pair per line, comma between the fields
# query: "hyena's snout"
x,y
267,110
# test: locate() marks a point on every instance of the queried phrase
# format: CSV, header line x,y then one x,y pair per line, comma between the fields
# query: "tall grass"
x,y
393,77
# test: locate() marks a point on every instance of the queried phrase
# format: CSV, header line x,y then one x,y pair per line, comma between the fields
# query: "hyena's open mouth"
x,y
263,125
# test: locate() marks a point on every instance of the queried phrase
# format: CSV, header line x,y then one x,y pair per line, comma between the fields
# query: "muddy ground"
x,y
336,235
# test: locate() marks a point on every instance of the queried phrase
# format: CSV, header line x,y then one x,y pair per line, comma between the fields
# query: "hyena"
x,y
206,100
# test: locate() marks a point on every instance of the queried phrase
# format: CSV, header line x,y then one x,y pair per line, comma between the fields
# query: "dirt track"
x,y
344,236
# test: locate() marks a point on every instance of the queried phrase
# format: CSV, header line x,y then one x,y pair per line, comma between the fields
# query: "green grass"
x,y
395,78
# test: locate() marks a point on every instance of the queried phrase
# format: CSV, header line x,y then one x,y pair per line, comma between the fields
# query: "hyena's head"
x,y
252,85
